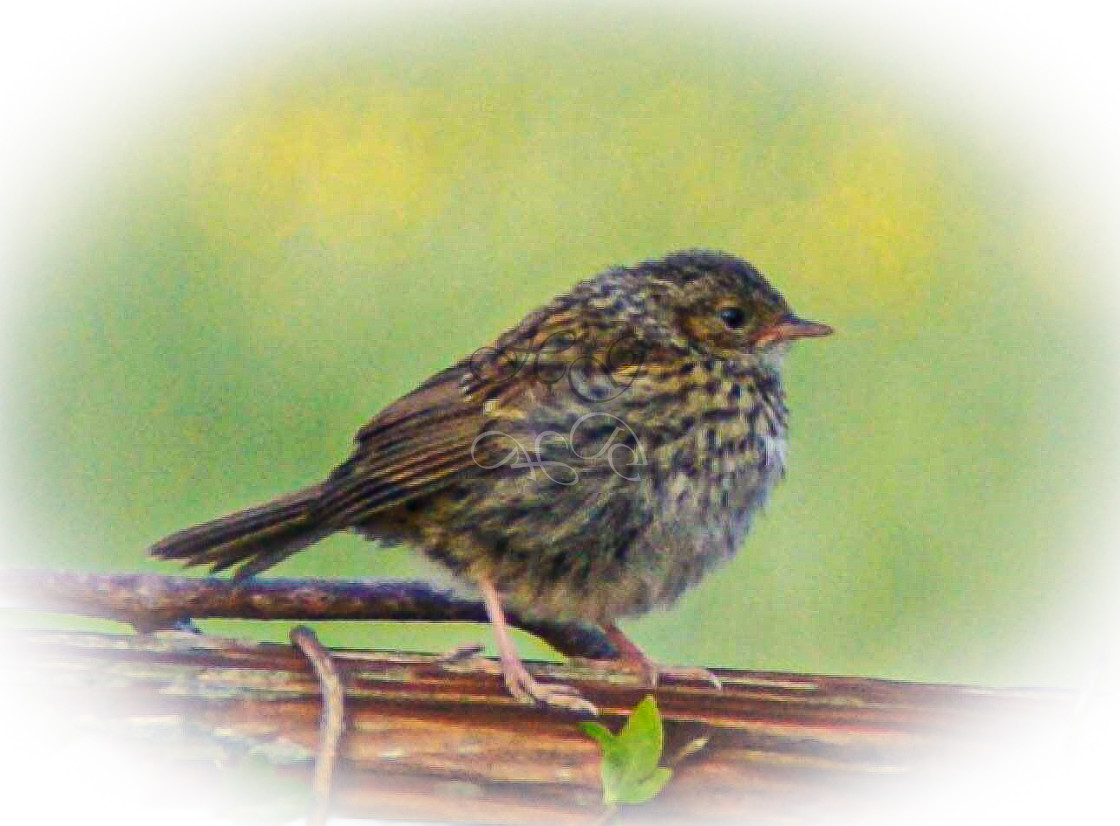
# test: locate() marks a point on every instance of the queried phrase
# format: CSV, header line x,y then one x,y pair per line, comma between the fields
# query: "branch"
x,y
151,602
441,740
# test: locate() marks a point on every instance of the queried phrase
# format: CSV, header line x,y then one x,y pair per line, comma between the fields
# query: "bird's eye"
x,y
733,317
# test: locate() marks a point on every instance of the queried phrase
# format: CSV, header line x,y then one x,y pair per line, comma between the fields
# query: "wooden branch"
x,y
443,741
439,739
151,602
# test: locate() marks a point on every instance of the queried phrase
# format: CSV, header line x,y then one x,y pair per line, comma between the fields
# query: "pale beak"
x,y
790,327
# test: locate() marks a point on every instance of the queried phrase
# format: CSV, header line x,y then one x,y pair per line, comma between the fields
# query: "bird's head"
x,y
722,306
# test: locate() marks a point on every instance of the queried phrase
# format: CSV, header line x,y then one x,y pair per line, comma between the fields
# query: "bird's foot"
x,y
521,684
631,658
526,689
648,672
681,672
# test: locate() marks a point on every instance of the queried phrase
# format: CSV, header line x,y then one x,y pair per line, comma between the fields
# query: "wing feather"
x,y
429,439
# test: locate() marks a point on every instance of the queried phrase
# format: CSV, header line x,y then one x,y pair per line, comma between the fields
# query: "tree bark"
x,y
439,739
153,602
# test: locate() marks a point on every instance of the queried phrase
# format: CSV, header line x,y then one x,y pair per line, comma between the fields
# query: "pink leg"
x,y
634,658
519,681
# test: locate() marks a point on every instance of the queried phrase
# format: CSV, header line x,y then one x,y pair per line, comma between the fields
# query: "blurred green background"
x,y
265,268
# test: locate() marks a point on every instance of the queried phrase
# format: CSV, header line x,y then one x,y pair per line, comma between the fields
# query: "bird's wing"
x,y
552,362
429,438
412,448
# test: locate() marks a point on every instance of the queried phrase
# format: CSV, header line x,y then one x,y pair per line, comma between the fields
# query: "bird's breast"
x,y
720,471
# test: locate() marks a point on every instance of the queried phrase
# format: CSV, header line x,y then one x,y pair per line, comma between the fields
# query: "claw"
x,y
521,684
634,659
526,689
682,672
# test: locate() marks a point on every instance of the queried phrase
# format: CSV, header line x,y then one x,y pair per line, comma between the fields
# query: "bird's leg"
x,y
519,681
631,657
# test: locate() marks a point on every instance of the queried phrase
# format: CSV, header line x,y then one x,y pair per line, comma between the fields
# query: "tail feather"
x,y
253,539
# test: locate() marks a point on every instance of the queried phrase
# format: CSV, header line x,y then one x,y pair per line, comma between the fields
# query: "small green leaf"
x,y
598,732
646,788
612,775
642,740
629,768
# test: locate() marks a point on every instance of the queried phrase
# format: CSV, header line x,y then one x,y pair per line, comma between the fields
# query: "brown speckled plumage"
x,y
593,463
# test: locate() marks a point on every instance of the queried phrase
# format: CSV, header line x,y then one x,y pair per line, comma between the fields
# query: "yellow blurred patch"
x,y
867,231
333,167
882,207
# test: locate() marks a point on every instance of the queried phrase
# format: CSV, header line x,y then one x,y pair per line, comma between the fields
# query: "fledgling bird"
x,y
592,464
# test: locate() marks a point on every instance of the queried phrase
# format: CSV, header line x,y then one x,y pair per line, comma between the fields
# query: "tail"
x,y
253,539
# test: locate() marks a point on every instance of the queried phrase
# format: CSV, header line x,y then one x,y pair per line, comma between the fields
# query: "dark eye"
x,y
733,317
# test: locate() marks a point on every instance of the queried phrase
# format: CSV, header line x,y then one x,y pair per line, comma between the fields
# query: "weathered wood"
x,y
152,602
443,741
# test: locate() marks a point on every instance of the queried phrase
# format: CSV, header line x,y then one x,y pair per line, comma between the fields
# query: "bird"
x,y
591,464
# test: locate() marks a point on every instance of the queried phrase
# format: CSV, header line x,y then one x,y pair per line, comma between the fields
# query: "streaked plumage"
x,y
591,464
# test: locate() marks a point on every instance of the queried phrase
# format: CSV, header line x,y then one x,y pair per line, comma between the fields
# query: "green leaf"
x,y
599,732
646,788
642,740
629,768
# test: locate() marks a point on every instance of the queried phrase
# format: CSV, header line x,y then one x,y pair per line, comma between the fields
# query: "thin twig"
x,y
331,720
151,602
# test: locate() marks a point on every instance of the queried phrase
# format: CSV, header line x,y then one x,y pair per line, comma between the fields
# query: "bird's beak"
x,y
789,327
